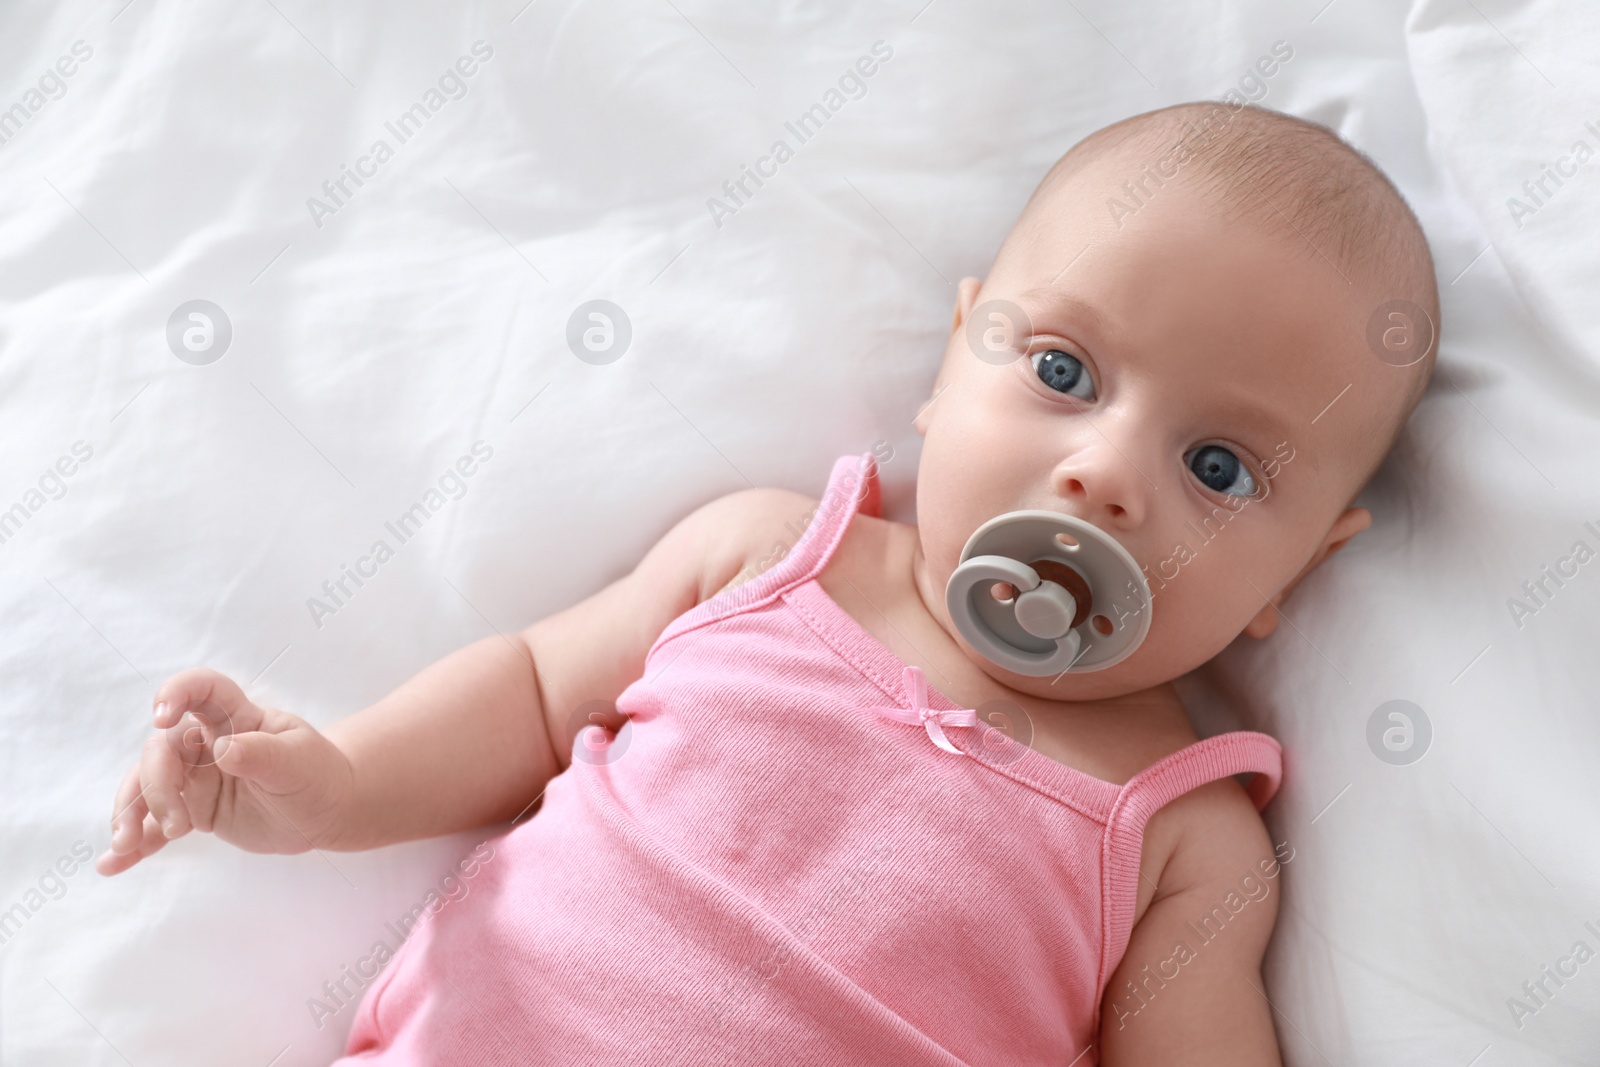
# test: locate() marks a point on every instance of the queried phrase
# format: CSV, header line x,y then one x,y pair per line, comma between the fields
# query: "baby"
x,y
782,836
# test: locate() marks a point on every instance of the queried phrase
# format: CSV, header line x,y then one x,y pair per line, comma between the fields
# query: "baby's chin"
x,y
1134,675
1169,651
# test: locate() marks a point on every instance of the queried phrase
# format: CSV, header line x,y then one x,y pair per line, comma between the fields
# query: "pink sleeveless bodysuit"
x,y
777,862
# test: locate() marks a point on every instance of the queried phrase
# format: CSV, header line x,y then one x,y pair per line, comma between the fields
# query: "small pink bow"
x,y
919,714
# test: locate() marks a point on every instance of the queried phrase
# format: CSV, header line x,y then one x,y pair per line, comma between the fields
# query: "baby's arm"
x,y
472,739
1197,997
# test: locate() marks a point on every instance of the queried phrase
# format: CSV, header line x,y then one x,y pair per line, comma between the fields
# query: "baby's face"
x,y
1174,389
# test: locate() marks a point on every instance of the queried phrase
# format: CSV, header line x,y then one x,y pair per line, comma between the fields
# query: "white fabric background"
x,y
370,353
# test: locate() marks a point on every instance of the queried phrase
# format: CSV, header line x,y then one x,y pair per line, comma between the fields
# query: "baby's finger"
x,y
161,773
208,694
127,813
109,863
279,763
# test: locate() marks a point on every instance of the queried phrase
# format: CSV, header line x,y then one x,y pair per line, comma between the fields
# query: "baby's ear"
x,y
1345,527
966,296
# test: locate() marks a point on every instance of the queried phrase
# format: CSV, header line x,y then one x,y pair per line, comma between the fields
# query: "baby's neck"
x,y
880,578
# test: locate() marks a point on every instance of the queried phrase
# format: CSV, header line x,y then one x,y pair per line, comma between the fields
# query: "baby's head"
x,y
1203,335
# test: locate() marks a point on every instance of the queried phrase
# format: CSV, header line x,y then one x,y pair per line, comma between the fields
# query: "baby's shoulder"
x,y
754,510
749,531
1206,833
1212,823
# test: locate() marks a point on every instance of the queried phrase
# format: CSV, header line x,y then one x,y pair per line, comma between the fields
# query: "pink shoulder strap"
x,y
1152,789
852,487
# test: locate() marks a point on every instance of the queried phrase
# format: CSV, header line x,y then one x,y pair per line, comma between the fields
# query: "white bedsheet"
x,y
377,337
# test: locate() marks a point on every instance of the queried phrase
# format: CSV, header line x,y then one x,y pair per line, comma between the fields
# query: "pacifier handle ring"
x,y
987,570
1082,601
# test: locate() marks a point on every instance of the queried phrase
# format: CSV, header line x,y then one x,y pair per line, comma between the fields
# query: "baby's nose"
x,y
1104,487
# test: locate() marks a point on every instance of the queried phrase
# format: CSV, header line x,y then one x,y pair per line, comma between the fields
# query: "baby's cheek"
x,y
1203,595
960,486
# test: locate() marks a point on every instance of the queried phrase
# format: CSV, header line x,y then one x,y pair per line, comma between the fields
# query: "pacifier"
x,y
1039,593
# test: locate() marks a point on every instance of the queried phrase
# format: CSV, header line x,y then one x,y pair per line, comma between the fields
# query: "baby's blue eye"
x,y
1064,373
1221,471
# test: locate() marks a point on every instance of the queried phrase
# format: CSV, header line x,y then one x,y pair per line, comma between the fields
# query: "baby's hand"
x,y
256,777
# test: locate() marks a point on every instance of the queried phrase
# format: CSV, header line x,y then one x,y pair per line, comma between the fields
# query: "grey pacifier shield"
x,y
1032,633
